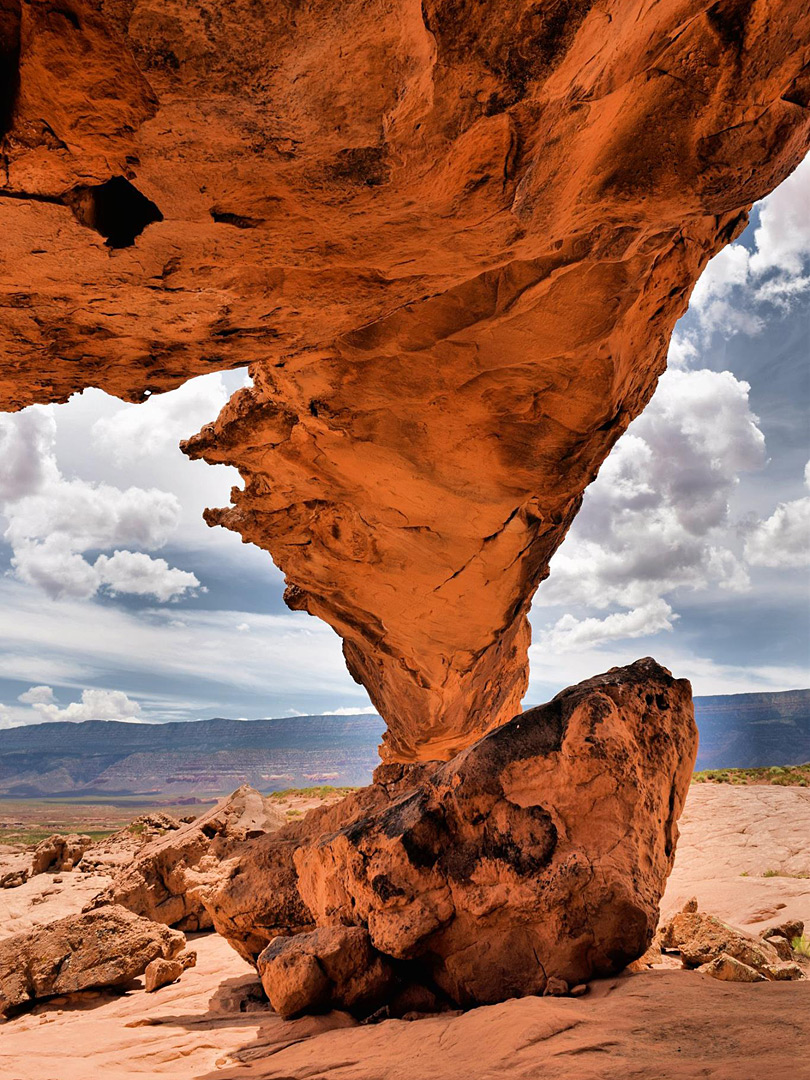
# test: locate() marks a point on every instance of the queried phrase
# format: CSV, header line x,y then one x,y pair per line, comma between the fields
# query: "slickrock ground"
x,y
730,838
450,238
659,1025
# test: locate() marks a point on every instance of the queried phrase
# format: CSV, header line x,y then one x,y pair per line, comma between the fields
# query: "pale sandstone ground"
x,y
651,1026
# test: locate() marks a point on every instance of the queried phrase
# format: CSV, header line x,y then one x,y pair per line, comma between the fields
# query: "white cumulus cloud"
x,y
156,426
37,695
783,539
657,517
138,574
737,285
782,238
52,521
570,633
94,705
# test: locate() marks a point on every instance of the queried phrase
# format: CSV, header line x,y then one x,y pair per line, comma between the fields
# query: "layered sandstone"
x,y
539,853
451,240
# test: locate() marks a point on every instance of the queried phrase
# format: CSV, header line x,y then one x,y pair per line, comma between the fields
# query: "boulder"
x,y
165,879
188,959
13,879
787,930
787,972
541,851
59,853
728,968
108,947
332,967
781,945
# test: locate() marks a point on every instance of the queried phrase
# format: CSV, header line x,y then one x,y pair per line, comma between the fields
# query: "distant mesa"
x,y
187,761
207,758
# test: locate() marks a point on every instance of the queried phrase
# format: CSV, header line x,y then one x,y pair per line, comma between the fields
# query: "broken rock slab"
x,y
253,897
13,879
108,947
164,881
728,968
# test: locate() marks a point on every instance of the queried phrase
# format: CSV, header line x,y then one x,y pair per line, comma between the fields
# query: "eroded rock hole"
x,y
116,209
9,62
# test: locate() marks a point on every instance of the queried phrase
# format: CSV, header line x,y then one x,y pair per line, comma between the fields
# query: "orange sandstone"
x,y
451,239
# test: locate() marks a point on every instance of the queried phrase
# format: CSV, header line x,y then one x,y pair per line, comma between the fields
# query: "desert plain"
x,y
743,853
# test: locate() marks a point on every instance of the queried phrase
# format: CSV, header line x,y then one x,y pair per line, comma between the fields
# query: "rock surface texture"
x,y
253,896
451,240
165,879
541,851
109,947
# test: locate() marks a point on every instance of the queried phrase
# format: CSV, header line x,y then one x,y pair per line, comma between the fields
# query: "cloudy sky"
x,y
118,602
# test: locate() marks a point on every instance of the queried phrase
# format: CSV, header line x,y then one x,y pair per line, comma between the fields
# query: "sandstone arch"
x,y
451,239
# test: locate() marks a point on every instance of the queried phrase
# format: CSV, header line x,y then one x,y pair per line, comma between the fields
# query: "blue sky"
x,y
117,601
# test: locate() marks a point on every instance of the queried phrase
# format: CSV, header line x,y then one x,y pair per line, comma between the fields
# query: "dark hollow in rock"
x,y
116,209
9,62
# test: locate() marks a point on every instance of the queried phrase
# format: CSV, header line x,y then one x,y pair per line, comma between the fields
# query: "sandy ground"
x,y
651,1026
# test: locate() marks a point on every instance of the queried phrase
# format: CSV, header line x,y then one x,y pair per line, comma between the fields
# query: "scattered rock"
x,y
787,972
787,930
188,959
729,969
782,947
555,988
59,853
702,939
579,991
333,967
108,947
166,878
161,972
13,879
